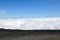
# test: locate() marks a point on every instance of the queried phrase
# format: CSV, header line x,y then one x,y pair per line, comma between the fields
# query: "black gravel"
x,y
29,34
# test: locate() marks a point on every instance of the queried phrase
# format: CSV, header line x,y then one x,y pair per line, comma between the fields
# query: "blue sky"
x,y
30,8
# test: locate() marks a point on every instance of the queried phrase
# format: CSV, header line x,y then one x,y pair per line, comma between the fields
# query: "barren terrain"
x,y
29,35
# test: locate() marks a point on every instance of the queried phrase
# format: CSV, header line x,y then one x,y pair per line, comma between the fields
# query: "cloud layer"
x,y
31,23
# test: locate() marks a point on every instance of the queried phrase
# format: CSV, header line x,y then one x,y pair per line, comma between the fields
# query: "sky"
x,y
30,8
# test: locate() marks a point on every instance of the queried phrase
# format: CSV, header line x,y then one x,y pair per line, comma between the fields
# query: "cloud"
x,y
2,13
31,23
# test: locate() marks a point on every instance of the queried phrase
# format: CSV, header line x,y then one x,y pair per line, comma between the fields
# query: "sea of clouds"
x,y
31,23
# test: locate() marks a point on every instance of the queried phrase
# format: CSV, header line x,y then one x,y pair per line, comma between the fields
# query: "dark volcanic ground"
x,y
29,35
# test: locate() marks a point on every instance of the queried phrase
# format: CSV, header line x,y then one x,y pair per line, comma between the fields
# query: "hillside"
x,y
29,34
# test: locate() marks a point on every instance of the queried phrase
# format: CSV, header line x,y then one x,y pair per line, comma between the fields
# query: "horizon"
x,y
30,14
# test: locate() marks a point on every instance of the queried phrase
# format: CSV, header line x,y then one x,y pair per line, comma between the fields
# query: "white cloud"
x,y
31,23
2,13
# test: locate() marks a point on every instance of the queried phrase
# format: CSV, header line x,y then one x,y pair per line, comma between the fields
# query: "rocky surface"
x,y
29,35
